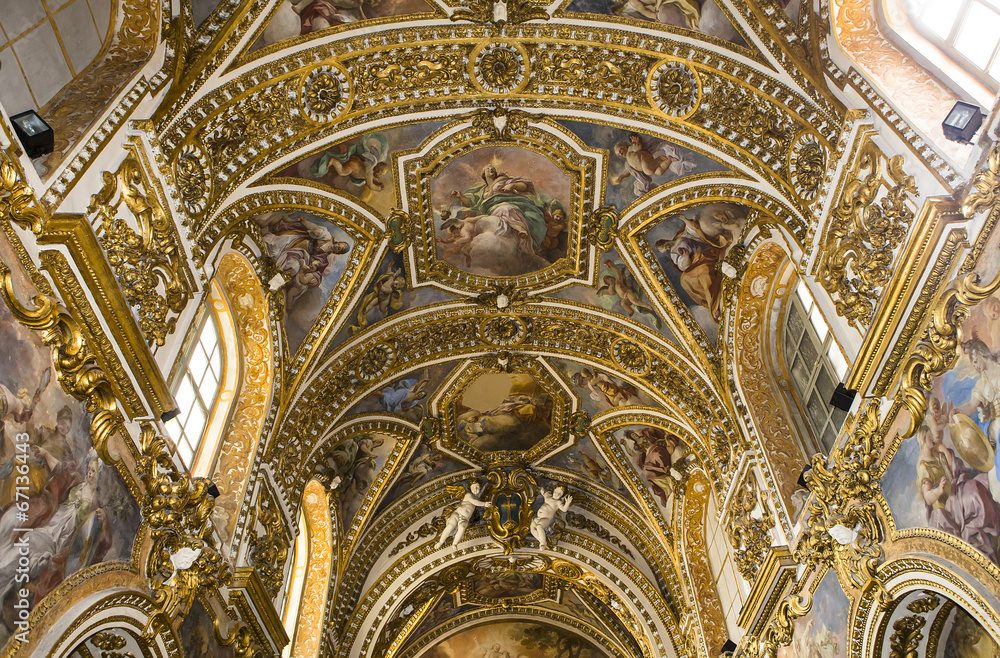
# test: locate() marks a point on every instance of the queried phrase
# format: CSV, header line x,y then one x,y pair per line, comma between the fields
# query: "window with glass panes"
x,y
815,364
968,30
196,392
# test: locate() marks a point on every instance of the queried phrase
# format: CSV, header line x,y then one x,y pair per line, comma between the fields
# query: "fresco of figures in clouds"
x,y
351,467
501,211
704,16
295,18
659,457
80,511
618,291
822,632
311,253
599,390
386,294
639,163
585,459
945,476
689,246
964,637
514,639
359,166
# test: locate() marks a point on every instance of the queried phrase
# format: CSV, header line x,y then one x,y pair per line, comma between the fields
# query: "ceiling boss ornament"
x,y
675,89
500,67
325,93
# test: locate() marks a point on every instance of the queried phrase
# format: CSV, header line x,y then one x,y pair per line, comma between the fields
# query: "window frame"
x,y
189,454
948,46
205,450
824,348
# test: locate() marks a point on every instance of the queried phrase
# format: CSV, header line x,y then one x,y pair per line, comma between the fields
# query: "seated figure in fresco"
x,y
956,497
683,13
695,250
655,453
505,223
646,157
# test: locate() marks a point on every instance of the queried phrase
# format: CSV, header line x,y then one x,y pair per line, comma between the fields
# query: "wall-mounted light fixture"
x,y
34,134
962,122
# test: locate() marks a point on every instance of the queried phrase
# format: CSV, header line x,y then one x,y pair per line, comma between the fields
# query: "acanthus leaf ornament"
x,y
17,201
500,12
513,490
398,230
184,559
603,228
142,248
985,187
843,530
75,363
867,225
749,536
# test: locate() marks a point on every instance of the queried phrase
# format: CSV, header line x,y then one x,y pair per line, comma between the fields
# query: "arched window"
x,y
815,365
204,387
968,31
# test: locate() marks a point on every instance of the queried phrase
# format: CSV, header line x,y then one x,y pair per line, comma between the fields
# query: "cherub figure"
x,y
458,521
363,165
460,231
554,502
616,282
555,223
637,158
386,295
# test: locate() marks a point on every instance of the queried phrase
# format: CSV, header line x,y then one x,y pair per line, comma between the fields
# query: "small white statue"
x,y
546,514
458,521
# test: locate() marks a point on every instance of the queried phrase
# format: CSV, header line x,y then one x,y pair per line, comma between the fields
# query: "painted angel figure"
x,y
646,157
458,521
362,164
554,502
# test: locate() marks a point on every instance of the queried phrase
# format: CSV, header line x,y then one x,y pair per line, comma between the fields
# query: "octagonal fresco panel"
x,y
500,411
521,639
501,211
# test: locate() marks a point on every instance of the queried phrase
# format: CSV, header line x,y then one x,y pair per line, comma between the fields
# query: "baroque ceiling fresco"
x,y
501,288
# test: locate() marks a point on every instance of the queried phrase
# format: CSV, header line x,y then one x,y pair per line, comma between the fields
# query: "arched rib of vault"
x,y
423,340
515,613
409,535
774,442
261,103
652,617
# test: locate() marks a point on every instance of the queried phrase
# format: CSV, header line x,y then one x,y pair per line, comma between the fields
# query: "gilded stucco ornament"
x,y
500,67
779,629
504,331
398,230
143,248
74,362
985,188
193,175
602,228
675,89
749,535
17,199
868,223
500,13
184,559
937,351
807,165
269,549
843,530
325,93
906,636
630,356
513,490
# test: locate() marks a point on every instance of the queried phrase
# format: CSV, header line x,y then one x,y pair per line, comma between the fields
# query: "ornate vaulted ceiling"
x,y
500,280
506,247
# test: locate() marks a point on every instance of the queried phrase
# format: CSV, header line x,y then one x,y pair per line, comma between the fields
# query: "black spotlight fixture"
x,y
170,415
843,398
34,134
802,477
729,647
962,122
213,490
